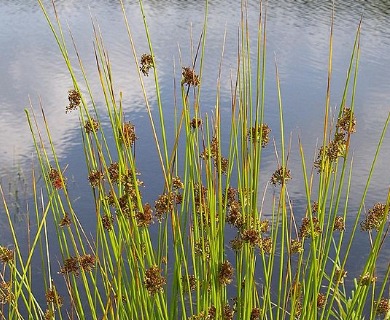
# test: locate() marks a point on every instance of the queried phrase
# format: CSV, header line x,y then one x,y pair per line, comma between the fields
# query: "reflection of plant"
x,y
181,267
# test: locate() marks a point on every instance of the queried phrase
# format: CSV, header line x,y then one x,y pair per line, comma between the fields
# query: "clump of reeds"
x,y
279,266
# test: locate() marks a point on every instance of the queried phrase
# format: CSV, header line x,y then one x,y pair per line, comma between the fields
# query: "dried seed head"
x,y
146,63
87,262
154,281
6,255
251,236
347,122
259,134
189,284
228,312
6,294
196,123
144,218
236,244
321,300
280,176
189,77
113,171
177,184
56,178
52,296
91,126
305,229
382,306
74,98
128,134
95,177
374,218
340,274
71,265
339,224
255,314
65,221
366,279
296,246
164,204
265,245
225,274
107,222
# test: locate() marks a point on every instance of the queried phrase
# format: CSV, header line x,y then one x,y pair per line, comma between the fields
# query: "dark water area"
x,y
32,71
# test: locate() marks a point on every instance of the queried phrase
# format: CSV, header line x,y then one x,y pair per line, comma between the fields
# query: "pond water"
x,y
32,69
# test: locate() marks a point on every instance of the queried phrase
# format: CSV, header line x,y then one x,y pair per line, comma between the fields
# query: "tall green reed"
x,y
211,183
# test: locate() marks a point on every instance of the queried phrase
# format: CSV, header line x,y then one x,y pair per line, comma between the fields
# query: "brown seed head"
x,y
189,77
225,275
154,281
74,98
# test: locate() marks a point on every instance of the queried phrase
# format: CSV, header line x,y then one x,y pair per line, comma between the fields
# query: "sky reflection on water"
x,y
298,38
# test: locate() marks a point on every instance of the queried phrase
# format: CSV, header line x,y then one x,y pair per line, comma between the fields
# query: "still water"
x,y
32,69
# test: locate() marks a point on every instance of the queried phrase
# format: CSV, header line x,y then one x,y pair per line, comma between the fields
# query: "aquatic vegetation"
x,y
208,246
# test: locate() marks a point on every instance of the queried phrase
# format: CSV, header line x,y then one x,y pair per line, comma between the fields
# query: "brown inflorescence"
x,y
366,279
280,176
87,262
236,243
146,63
374,218
74,98
339,276
6,294
296,246
71,265
225,274
190,78
95,177
251,236
154,281
382,306
339,224
346,123
177,183
233,216
65,221
6,255
259,134
56,178
202,248
189,284
265,245
228,312
128,134
91,126
321,300
144,218
305,229
53,297
107,222
255,314
164,204
196,123
113,172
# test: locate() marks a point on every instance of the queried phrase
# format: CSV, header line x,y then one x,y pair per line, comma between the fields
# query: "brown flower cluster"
x,y
374,218
366,279
189,284
164,205
6,294
196,123
382,306
280,176
144,218
6,255
73,264
225,274
91,126
321,300
305,230
107,222
296,246
328,155
202,248
220,163
228,312
259,134
56,178
190,78
339,224
113,172
74,98
53,297
339,276
255,314
346,123
154,281
65,221
128,134
95,178
146,63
